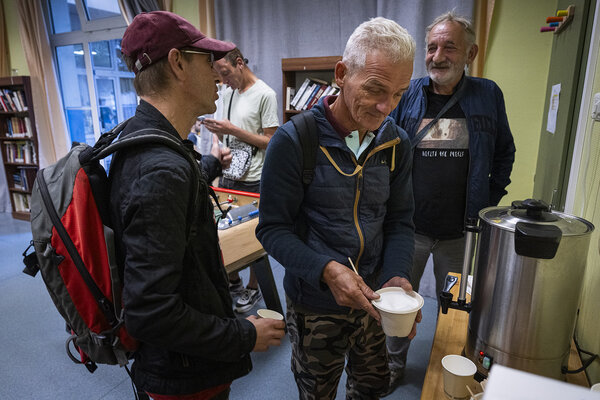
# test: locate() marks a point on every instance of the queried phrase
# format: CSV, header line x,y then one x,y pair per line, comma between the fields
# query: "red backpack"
x,y
74,245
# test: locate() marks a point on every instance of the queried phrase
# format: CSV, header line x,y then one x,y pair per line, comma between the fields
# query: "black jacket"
x,y
360,209
491,144
176,297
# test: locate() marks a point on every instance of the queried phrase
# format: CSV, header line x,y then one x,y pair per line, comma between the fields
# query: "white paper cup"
x,y
398,310
458,373
596,387
265,313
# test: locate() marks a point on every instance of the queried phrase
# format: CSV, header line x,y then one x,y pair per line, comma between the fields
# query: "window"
x,y
96,87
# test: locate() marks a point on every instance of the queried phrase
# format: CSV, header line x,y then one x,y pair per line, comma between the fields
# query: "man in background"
x,y
461,165
175,294
358,207
250,110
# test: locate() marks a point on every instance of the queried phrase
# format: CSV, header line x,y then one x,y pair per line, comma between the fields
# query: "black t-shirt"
x,y
440,170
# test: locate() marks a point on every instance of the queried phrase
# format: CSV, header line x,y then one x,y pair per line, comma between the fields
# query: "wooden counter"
x,y
240,246
450,338
241,249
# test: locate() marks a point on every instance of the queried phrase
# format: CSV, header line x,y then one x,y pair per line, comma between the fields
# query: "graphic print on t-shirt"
x,y
446,133
441,165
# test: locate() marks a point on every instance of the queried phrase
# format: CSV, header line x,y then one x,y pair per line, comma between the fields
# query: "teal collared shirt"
x,y
353,142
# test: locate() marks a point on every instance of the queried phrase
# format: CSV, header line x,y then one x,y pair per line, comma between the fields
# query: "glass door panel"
x,y
75,92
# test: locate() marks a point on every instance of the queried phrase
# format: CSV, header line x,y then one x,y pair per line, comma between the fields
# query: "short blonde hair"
x,y
379,34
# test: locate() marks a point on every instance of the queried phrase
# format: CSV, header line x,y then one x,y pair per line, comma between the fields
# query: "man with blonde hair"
x,y
357,207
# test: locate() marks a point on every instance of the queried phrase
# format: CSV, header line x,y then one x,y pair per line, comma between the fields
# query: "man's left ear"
x,y
175,60
472,53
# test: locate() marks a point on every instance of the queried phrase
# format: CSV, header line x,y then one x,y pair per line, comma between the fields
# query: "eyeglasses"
x,y
211,55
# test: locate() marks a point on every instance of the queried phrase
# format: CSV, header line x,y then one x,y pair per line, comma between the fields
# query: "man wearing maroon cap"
x,y
176,296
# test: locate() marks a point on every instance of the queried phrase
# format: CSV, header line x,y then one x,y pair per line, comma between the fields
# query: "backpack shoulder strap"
x,y
107,146
306,127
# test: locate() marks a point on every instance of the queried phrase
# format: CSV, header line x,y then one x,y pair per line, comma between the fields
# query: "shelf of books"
x,y
18,139
305,81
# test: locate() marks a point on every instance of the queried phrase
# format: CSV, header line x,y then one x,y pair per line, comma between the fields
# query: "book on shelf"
x,y
9,152
21,201
9,103
307,92
27,153
16,102
24,178
327,90
21,96
316,88
290,92
315,97
18,127
299,93
324,90
20,152
28,177
28,131
18,181
331,90
18,200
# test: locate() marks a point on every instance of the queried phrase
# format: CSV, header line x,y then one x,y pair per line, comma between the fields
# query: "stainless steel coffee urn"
x,y
528,274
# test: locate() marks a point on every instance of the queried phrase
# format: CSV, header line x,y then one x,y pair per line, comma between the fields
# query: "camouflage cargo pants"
x,y
321,343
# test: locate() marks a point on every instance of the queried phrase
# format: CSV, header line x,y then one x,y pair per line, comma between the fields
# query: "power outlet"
x,y
596,108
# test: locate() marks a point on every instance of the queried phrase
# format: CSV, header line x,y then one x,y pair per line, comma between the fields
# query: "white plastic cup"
x,y
596,387
458,373
398,310
266,313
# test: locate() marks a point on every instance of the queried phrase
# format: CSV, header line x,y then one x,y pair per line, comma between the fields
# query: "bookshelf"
x,y
296,70
18,140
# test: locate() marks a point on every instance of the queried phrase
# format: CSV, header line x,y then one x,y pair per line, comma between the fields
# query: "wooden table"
x,y
241,249
450,338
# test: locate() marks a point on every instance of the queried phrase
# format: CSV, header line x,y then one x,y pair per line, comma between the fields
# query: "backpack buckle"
x,y
100,339
30,260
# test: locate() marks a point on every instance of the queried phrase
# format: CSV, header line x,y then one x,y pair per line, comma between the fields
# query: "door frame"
x,y
583,121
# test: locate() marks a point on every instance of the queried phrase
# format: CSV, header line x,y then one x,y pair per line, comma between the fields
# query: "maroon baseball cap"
x,y
151,36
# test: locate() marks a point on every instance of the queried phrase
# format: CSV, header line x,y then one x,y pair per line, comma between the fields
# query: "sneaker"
x,y
396,377
247,300
236,288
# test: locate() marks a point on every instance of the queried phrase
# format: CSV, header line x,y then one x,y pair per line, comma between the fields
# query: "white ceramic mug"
x,y
458,373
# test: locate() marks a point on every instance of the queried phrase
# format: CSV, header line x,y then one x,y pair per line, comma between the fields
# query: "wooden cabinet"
x,y
18,139
296,70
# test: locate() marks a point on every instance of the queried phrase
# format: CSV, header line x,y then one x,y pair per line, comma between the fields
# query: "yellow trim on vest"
x,y
358,170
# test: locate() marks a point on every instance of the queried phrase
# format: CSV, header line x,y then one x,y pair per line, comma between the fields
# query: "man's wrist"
x,y
330,271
